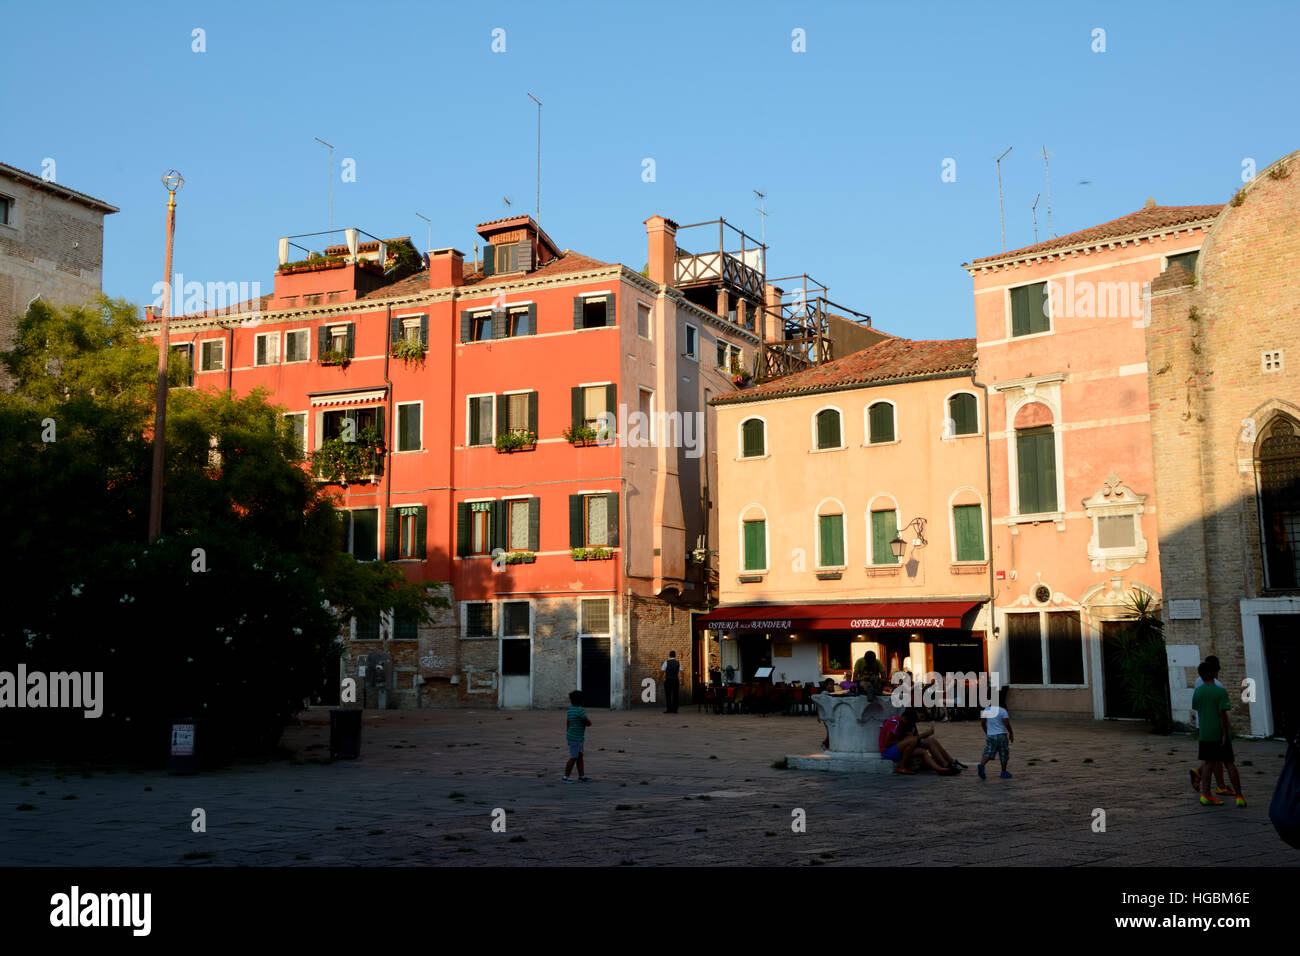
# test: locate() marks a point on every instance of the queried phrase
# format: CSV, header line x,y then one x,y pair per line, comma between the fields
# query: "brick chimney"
x,y
663,249
446,268
772,300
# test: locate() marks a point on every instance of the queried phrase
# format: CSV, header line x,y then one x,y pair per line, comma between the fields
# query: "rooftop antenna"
x,y
428,232
539,156
762,211
1001,215
1047,172
1034,209
506,200
331,179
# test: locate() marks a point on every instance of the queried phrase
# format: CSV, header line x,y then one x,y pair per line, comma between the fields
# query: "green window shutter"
x,y
532,318
524,256
611,401
390,534
465,326
497,511
1039,320
964,415
576,537
828,428
322,341
1027,471
498,323
1020,311
351,347
1047,469
969,530
576,397
577,312
394,331
503,414
611,312
755,545
462,528
884,528
881,422
832,540
611,516
365,534
424,331
534,524
379,424
752,437
421,532
532,412
489,260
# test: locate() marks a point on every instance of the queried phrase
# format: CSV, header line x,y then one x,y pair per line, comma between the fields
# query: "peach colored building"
x,y
1060,329
823,475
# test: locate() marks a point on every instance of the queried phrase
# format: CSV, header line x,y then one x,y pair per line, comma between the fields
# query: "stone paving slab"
x,y
687,790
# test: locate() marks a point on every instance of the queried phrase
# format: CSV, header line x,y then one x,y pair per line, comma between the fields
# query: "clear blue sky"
x,y
847,139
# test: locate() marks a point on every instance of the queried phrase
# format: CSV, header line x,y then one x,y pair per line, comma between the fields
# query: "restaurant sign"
x,y
768,625
898,622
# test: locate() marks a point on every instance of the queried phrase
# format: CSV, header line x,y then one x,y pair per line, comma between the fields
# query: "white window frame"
x,y
1006,306
1084,635
220,367
409,322
652,424
817,533
397,429
306,421
947,417
812,424
953,504
691,331
271,337
609,605
866,423
509,501
1132,506
335,332
767,447
306,334
747,514
464,634
468,413
532,617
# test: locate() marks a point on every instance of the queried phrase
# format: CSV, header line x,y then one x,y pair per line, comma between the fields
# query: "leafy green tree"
x,y
1143,664
233,614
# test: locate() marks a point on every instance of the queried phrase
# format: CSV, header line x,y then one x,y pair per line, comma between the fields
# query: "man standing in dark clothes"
x,y
672,670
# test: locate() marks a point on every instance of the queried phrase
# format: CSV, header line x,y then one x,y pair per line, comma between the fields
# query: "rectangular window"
x,y
1064,648
6,204
298,430
480,326
480,514
518,323
968,527
407,532
594,403
338,339
366,627
212,355
361,530
724,352
514,619
884,528
519,525
406,627
593,312
755,546
517,412
828,429
266,348
1116,532
643,320
333,423
480,421
880,422
753,440
408,427
1024,648
1036,468
596,522
690,350
411,331
645,406
296,345
478,619
1185,259
595,616
831,533
1029,309
181,365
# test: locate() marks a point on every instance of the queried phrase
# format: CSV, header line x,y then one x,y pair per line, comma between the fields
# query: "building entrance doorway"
x,y
516,673
1118,703
1281,633
595,671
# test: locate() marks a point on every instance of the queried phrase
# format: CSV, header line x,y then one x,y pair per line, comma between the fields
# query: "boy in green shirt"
x,y
1211,703
575,733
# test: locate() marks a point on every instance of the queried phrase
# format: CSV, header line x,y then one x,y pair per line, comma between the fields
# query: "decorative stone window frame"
x,y
1116,500
1043,390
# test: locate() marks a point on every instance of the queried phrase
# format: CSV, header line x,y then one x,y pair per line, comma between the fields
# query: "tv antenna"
x,y
539,156
506,200
1034,209
428,233
1047,172
331,179
762,211
1001,215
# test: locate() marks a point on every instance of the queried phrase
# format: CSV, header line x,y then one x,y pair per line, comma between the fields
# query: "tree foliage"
x,y
233,614
1143,665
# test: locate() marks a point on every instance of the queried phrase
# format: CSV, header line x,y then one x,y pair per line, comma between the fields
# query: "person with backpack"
x,y
672,669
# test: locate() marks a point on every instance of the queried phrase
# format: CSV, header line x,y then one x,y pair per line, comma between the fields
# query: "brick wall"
x,y
656,628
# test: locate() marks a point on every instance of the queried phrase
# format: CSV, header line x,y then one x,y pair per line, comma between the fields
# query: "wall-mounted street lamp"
x,y
898,545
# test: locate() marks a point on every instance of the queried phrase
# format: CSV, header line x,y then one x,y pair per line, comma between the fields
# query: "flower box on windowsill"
x,y
333,357
885,570
591,554
521,557
512,442
750,578
829,575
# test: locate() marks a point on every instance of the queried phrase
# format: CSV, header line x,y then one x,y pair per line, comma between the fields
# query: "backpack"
x,y
673,669
890,726
1284,810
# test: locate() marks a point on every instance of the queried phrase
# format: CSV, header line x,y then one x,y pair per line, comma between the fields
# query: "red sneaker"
x,y
903,770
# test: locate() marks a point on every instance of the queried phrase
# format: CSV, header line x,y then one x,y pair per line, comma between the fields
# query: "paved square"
x,y
687,789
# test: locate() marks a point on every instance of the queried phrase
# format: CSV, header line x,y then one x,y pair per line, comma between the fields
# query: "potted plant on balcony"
x,y
408,350
599,554
343,463
313,263
580,435
402,261
334,357
514,441
578,554
521,557
739,376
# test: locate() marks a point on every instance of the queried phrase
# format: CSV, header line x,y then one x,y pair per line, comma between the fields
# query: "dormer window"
x,y
508,257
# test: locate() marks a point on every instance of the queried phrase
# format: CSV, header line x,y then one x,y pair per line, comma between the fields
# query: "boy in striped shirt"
x,y
576,724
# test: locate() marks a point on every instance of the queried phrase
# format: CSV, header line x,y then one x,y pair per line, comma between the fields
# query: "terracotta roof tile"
x,y
1147,219
893,360
569,262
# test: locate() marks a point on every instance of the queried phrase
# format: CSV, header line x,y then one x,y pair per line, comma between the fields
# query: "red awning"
x,y
915,615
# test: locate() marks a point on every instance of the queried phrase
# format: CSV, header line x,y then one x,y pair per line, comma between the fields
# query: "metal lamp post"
x,y
173,181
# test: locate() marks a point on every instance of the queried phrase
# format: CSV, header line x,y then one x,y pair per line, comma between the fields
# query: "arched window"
x,y
964,414
828,429
1279,492
753,439
880,423
967,526
753,539
1035,460
830,534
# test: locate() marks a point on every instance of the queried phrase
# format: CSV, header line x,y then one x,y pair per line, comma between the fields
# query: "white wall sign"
x,y
1188,609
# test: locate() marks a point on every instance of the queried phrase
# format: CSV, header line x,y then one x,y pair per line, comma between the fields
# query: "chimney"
x,y
446,268
663,249
772,303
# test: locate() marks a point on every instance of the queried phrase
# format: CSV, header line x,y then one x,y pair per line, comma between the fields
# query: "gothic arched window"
x,y
1279,493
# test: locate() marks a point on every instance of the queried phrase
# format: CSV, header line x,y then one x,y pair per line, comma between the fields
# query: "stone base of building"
x,y
833,761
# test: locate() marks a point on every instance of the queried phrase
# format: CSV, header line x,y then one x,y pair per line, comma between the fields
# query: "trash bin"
x,y
183,757
345,733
